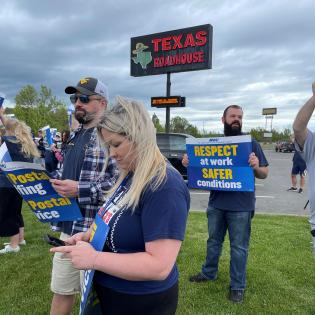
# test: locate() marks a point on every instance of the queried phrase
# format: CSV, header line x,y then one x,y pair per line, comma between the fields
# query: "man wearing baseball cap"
x,y
80,178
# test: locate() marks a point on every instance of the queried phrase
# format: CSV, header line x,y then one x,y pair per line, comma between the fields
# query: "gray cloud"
x,y
262,52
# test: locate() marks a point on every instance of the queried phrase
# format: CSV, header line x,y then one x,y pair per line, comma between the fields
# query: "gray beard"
x,y
84,118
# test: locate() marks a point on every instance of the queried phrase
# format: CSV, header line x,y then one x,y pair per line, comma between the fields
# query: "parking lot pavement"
x,y
271,193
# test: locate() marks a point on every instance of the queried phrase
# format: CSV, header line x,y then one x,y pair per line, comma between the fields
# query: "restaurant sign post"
x,y
268,113
187,49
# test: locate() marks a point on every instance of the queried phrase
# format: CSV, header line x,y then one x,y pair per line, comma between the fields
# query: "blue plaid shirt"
x,y
94,181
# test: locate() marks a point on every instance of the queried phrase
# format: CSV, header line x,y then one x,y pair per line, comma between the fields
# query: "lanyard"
x,y
111,203
98,238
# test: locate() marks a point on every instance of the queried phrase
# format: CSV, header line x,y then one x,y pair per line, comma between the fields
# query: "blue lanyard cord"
x,y
116,196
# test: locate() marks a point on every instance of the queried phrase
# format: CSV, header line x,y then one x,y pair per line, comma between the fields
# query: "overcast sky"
x,y
263,53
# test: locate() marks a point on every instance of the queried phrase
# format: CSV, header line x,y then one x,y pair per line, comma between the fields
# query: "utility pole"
x,y
168,94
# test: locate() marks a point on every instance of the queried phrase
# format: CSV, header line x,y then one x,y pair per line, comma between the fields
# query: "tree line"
x,y
41,108
182,125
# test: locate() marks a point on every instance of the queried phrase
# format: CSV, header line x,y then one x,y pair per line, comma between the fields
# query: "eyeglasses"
x,y
83,98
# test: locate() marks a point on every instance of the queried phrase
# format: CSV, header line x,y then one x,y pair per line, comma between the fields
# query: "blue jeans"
x,y
239,226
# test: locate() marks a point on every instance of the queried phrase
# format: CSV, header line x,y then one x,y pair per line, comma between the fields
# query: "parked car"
x,y
284,146
173,146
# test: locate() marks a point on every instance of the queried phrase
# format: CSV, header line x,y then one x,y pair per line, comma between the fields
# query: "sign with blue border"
x,y
220,163
32,182
47,135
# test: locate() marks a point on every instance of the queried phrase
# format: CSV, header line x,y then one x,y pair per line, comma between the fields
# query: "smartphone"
x,y
54,241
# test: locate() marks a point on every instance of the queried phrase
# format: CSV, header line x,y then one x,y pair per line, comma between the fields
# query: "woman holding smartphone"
x,y
136,272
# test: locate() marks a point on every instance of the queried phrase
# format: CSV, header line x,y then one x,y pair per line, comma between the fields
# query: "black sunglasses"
x,y
83,98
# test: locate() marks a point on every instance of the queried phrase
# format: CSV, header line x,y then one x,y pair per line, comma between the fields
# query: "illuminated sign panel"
x,y
186,49
171,101
269,111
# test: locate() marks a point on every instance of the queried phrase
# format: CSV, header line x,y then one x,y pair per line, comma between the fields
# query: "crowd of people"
x,y
51,157
112,163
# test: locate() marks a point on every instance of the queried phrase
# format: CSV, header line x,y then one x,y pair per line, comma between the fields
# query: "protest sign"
x,y
4,154
53,132
47,135
32,183
220,163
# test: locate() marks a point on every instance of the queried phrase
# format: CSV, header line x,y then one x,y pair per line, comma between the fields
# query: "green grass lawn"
x,y
280,278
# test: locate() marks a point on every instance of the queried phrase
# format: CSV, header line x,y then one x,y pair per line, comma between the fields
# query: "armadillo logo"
x,y
142,57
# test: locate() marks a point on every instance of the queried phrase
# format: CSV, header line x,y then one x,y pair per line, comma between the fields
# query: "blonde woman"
x,y
18,139
136,272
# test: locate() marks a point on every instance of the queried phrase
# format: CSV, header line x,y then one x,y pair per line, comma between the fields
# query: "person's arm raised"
x,y
302,118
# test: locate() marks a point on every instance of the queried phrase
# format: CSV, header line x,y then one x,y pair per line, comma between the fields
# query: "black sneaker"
x,y
199,278
300,191
292,189
236,296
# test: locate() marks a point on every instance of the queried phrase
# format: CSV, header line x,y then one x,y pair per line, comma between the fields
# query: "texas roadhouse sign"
x,y
179,50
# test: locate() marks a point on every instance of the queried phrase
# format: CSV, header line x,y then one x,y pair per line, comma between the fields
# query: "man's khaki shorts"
x,y
65,279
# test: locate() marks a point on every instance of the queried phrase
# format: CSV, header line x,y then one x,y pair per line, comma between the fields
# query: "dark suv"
x,y
284,146
173,146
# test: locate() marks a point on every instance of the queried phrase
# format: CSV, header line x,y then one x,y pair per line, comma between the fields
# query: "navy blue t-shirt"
x,y
238,200
161,214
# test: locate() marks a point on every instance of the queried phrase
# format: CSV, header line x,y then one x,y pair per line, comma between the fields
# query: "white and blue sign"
x,y
4,154
32,183
220,163
48,135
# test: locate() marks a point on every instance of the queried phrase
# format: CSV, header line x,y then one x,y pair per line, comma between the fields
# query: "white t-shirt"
x,y
308,154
